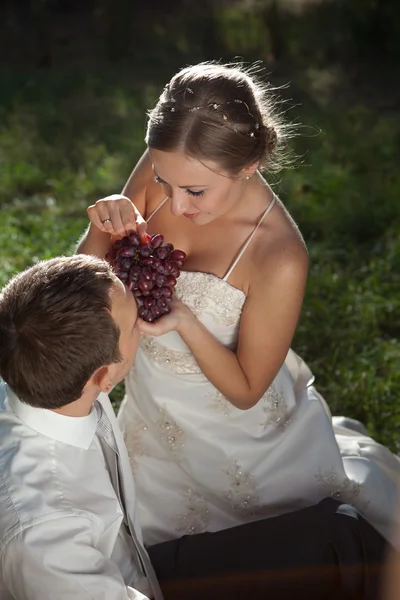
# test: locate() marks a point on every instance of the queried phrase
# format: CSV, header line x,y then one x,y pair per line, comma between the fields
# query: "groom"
x,y
68,526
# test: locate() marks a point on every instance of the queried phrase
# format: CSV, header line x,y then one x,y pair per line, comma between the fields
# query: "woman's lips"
x,y
191,215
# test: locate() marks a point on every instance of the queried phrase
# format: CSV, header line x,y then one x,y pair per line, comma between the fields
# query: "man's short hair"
x,y
56,329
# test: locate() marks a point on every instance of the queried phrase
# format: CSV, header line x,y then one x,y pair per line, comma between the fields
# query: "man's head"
x,y
63,323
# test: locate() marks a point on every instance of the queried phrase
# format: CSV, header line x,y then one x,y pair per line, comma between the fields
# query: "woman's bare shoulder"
x,y
279,243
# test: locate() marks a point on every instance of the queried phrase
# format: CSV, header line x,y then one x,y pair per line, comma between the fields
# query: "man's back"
x,y
58,506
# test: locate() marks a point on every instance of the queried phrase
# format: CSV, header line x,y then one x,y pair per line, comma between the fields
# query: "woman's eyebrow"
x,y
183,187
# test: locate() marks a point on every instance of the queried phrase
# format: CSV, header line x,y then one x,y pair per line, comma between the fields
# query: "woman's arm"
x,y
135,187
267,326
124,215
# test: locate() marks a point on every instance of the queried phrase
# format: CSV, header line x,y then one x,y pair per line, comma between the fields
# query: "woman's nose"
x,y
179,203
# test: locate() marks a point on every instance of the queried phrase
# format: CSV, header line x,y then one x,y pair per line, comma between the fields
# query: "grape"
x,y
145,286
169,247
168,266
134,238
134,272
162,252
156,312
147,274
145,250
148,261
111,254
171,281
157,240
143,312
161,280
167,291
146,239
127,251
122,275
149,270
175,272
178,255
124,263
149,302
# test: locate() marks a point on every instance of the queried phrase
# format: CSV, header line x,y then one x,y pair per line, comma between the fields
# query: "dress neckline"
x,y
214,277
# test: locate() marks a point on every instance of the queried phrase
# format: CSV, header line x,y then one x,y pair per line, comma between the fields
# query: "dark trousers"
x,y
316,553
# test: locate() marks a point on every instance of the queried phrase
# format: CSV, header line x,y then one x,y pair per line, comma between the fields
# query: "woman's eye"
x,y
192,193
158,179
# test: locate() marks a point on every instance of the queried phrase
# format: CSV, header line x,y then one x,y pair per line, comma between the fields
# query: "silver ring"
x,y
106,221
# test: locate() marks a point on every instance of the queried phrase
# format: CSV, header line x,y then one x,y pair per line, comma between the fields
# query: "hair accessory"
x,y
215,106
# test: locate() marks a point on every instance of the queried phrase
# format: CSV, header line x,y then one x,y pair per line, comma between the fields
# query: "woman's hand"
x,y
116,215
180,316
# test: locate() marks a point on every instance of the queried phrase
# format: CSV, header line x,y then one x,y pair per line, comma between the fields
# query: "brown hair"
x,y
222,114
56,329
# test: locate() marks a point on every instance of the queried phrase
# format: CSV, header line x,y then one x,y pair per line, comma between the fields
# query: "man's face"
x,y
124,313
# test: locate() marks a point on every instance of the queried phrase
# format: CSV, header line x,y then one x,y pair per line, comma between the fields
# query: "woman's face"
x,y
198,192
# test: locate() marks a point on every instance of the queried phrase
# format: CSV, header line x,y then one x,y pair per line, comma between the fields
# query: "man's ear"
x,y
101,379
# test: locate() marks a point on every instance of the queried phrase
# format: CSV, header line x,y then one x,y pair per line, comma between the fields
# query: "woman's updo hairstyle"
x,y
221,114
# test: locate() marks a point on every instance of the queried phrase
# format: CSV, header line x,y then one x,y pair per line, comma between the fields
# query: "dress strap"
x,y
246,244
157,208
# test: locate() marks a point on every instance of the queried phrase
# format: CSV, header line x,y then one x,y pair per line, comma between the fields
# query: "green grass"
x,y
67,140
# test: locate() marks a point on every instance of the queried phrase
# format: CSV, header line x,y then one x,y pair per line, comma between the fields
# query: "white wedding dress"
x,y
200,464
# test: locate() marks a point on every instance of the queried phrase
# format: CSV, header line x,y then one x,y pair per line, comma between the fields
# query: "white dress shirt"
x,y
61,525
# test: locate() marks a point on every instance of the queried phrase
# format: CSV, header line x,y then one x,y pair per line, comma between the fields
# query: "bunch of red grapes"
x,y
149,268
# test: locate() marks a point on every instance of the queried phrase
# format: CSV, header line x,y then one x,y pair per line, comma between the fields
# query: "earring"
x,y
247,177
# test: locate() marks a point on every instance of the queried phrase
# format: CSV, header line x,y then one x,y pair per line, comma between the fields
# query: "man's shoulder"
x,y
25,478
36,485
3,394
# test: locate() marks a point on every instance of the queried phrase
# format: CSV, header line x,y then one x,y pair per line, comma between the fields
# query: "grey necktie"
x,y
109,446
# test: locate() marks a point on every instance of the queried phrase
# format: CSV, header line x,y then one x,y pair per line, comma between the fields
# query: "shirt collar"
x,y
76,431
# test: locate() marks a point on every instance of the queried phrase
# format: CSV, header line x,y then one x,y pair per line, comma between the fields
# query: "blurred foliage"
x,y
44,33
72,120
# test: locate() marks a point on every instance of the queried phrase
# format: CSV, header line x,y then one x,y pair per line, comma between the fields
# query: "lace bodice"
x,y
206,294
216,303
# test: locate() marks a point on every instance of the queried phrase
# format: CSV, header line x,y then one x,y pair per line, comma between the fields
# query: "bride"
x,y
221,419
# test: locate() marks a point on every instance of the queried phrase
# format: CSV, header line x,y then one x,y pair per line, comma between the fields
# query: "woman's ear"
x,y
249,171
